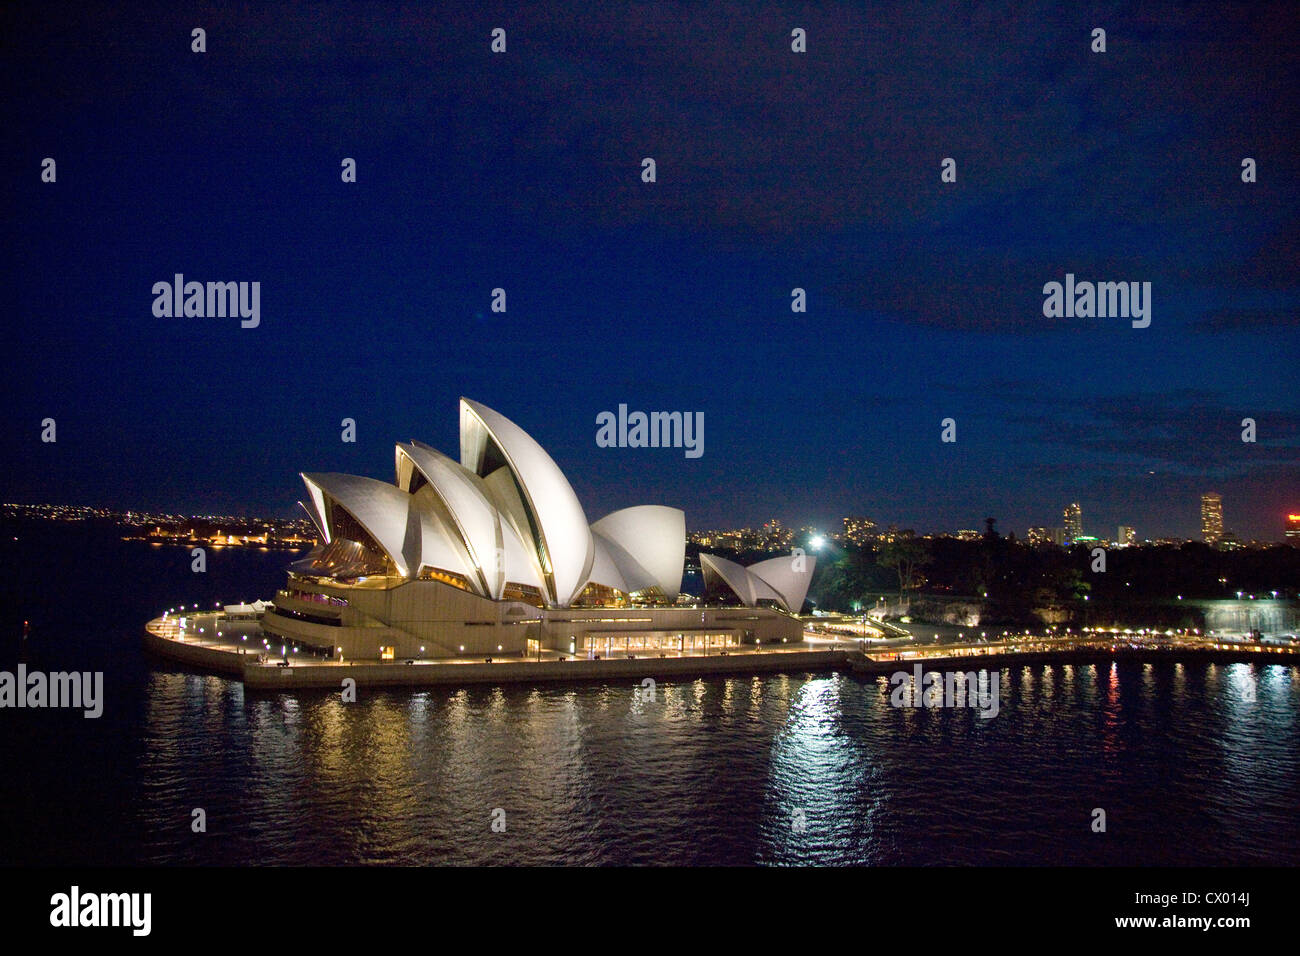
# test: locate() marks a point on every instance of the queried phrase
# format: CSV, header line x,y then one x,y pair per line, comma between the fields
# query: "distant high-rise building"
x,y
1211,518
1073,517
1293,526
775,537
859,529
1127,536
1037,536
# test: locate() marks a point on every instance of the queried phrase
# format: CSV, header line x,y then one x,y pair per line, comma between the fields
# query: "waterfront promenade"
x,y
237,649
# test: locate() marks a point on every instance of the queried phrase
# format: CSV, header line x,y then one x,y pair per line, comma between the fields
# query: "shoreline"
x,y
257,672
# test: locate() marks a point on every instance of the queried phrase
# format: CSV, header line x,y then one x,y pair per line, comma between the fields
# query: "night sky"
x,y
775,170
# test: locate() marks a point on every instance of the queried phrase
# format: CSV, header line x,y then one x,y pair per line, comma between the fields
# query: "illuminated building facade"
x,y
1072,517
859,530
775,536
493,554
1211,518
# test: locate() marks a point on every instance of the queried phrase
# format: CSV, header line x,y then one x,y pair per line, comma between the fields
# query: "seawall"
x,y
269,675
375,674
196,655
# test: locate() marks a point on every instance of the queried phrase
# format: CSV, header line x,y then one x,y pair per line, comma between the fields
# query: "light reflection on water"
x,y
1193,763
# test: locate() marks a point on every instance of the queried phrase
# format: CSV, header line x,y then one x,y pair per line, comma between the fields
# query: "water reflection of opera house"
x,y
494,555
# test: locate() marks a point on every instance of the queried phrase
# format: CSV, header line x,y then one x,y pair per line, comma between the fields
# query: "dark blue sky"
x,y
775,170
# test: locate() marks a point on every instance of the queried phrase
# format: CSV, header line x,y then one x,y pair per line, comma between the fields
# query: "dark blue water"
x,y
1193,764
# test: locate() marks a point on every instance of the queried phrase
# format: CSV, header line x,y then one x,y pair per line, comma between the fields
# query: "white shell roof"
x,y
440,544
382,509
563,539
505,514
475,517
517,562
317,518
603,569
654,537
521,562
780,575
774,579
747,587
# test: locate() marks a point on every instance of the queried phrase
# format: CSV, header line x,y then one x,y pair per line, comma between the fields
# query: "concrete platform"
x,y
242,660
232,654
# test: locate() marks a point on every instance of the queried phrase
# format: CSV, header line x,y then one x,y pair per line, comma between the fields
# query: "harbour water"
x,y
1192,763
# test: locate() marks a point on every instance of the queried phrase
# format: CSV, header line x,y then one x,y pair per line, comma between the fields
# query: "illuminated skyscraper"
x,y
1073,516
1211,518
1293,525
1127,536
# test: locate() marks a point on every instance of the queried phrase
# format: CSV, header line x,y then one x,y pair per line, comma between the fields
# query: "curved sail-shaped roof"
x,y
781,576
750,588
317,517
517,562
434,537
317,509
383,510
604,570
654,537
556,522
520,559
503,516
467,504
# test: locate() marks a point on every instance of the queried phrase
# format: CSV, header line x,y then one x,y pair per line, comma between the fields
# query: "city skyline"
x,y
803,272
678,433
857,528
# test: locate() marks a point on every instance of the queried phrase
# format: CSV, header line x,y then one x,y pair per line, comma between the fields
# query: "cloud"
x,y
1247,320
1193,432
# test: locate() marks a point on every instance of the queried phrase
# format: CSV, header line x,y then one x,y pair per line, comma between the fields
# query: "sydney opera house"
x,y
493,555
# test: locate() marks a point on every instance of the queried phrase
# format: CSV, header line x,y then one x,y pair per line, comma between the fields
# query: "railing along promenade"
x,y
1084,645
212,652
